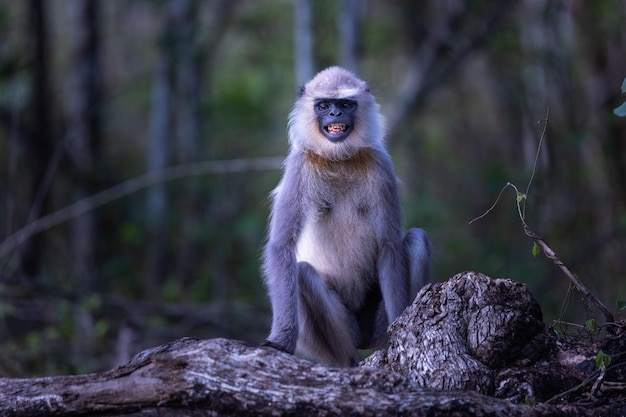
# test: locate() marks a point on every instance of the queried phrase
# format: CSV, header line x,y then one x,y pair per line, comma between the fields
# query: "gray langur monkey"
x,y
338,266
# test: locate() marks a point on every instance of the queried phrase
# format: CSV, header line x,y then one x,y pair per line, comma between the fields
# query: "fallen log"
x,y
471,346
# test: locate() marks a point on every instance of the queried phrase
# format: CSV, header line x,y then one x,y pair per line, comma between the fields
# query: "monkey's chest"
x,y
339,240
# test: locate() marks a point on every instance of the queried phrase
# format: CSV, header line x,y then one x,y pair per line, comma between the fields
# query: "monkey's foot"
x,y
275,346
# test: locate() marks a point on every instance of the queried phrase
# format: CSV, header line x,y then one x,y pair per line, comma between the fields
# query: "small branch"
x,y
573,389
566,302
550,254
534,171
600,383
596,385
572,277
493,205
131,186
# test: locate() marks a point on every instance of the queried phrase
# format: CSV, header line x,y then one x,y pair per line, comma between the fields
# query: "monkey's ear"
x,y
367,87
301,91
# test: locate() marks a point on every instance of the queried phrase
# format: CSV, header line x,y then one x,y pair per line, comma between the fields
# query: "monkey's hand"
x,y
276,346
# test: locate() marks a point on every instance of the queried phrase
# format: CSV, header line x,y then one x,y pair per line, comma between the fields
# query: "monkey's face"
x,y
335,117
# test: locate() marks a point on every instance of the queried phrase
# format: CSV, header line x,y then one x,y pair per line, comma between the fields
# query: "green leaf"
x,y
621,305
535,249
591,326
602,360
621,110
521,197
172,290
101,328
529,401
93,302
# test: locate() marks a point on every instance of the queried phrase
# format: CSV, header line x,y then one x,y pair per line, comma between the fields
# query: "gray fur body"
x,y
338,265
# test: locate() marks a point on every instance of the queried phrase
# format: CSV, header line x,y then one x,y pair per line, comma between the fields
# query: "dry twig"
x,y
133,185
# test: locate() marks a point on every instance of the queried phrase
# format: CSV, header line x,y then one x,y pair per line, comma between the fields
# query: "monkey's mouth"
x,y
337,129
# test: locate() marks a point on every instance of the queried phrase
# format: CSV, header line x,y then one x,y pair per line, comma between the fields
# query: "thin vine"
x,y
538,242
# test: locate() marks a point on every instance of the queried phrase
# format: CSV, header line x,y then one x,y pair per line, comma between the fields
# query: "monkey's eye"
x,y
347,105
323,106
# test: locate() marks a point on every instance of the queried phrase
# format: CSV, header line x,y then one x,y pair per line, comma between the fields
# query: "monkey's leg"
x,y
327,330
418,252
393,278
374,334
283,291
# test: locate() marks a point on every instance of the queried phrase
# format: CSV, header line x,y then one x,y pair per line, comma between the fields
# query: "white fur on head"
x,y
335,83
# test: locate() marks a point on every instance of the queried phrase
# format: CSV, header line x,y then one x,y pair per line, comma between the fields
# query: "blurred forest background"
x,y
105,249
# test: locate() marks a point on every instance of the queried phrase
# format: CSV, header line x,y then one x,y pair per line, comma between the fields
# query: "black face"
x,y
335,117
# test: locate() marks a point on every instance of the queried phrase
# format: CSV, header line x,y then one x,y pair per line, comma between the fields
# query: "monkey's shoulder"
x,y
357,184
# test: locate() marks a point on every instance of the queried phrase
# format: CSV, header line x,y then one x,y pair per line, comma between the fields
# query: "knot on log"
x,y
457,334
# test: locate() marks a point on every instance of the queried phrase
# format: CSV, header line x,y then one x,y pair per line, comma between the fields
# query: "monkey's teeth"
x,y
335,128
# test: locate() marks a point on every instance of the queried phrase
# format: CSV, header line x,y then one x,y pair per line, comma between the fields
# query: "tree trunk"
x,y
304,41
190,82
41,138
349,26
83,145
158,151
84,135
459,347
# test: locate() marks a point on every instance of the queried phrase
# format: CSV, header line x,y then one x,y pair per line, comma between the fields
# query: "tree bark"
x,y
224,377
462,344
458,333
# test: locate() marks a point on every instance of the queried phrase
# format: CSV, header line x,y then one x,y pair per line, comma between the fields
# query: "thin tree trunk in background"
x,y
15,138
84,139
349,24
42,136
304,41
206,45
190,82
180,78
158,151
84,136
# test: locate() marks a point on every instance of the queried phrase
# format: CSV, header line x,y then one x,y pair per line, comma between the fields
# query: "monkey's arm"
x,y
393,271
280,265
